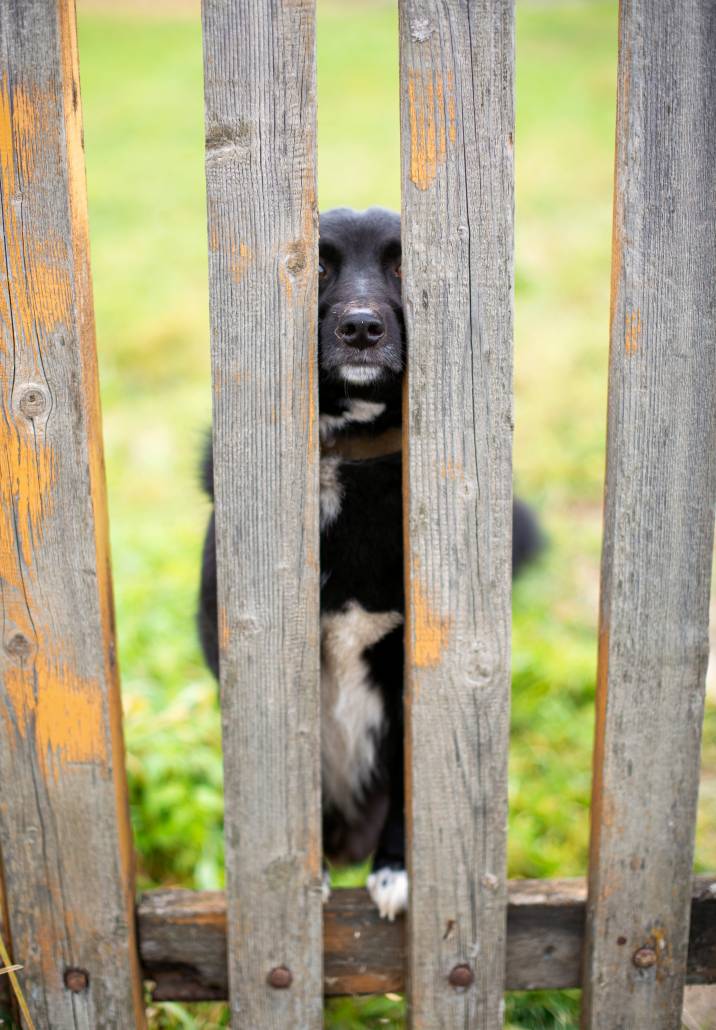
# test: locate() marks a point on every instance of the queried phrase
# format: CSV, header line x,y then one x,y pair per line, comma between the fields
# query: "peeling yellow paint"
x,y
239,260
61,710
35,268
632,331
224,634
28,478
431,631
452,470
285,279
431,115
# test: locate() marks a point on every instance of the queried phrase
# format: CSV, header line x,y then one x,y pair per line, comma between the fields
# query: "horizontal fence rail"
x,y
67,857
456,75
660,495
182,937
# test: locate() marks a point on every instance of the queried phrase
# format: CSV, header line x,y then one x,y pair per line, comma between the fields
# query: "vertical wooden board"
x,y
4,933
658,517
259,62
457,179
64,821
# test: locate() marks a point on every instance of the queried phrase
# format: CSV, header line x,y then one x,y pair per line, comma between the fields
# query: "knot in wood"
x,y
76,980
33,401
280,978
644,958
461,976
19,647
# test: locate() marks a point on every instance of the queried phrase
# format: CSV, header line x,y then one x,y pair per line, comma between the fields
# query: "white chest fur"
x,y
352,709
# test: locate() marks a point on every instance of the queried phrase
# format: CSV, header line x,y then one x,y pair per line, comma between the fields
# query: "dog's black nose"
x,y
360,327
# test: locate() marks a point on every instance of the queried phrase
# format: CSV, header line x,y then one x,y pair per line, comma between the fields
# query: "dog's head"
x,y
361,331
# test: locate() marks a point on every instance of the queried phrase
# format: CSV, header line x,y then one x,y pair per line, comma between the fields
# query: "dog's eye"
x,y
322,270
396,270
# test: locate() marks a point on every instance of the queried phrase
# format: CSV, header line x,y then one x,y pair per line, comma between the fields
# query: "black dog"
x,y
361,346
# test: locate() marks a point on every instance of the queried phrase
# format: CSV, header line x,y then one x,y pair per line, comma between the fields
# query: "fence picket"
x,y
456,128
259,64
64,823
658,519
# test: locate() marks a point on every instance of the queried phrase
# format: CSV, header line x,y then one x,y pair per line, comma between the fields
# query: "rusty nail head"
x,y
280,978
76,980
644,958
461,976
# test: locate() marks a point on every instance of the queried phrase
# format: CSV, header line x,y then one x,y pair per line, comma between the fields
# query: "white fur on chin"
x,y
388,889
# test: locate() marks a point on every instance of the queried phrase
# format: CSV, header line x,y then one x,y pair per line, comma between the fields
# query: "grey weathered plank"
x,y
259,65
457,130
182,937
659,514
64,821
5,985
4,981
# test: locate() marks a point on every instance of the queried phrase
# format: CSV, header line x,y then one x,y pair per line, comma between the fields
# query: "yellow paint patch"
x,y
239,260
431,114
69,719
61,710
632,331
452,470
285,280
224,633
28,477
35,269
431,631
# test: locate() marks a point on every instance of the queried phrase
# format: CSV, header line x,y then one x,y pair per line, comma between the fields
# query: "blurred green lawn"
x,y
142,93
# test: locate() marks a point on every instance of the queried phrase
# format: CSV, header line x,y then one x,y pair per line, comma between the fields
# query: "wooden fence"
x,y
644,927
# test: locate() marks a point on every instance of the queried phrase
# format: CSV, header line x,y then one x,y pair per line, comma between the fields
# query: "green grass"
x,y
142,94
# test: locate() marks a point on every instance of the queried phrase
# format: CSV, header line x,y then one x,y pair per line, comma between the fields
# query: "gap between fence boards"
x,y
182,936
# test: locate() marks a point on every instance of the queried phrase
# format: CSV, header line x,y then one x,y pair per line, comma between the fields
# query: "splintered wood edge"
x,y
182,937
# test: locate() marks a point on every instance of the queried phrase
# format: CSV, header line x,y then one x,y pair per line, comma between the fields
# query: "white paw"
x,y
388,889
326,886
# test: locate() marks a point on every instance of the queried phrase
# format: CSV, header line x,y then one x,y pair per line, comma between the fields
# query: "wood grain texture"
x,y
456,128
259,64
658,516
5,933
182,938
64,823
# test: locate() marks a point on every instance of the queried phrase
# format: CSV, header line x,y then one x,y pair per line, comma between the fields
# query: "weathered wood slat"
x,y
457,178
4,982
259,66
659,515
64,821
182,938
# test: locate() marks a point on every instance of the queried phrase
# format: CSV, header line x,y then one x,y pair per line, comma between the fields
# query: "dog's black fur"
x,y
362,352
